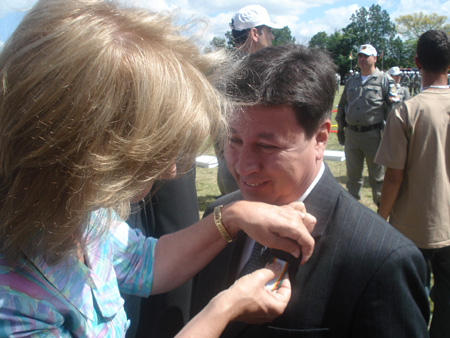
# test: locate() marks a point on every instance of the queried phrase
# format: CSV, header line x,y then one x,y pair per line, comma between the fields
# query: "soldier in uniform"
x,y
402,92
411,82
417,82
405,80
363,108
338,81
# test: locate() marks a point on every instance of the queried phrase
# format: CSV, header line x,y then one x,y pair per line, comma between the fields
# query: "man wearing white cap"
x,y
251,28
402,92
363,108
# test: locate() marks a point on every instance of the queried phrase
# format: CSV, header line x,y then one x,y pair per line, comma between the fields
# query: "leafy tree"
x,y
339,45
344,50
282,36
320,40
372,26
230,40
357,29
218,43
414,25
410,47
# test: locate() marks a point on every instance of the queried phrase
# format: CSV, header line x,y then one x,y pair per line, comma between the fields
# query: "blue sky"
x,y
304,17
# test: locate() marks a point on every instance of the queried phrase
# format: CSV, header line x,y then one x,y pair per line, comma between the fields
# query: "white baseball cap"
x,y
252,16
394,71
368,50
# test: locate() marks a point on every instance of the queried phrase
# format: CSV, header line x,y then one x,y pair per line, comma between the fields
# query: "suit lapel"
x,y
320,203
235,328
322,200
236,257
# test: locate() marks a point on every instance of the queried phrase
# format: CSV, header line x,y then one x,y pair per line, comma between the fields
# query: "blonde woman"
x,y
97,102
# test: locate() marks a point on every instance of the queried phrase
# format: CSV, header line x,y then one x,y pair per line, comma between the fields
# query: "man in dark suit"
x,y
364,279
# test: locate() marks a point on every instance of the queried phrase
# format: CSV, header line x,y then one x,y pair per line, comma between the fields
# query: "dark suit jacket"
x,y
173,206
364,279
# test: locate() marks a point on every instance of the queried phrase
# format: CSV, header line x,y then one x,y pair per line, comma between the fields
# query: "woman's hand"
x,y
253,302
247,300
285,227
280,227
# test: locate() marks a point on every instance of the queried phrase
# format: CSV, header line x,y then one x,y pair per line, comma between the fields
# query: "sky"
x,y
305,18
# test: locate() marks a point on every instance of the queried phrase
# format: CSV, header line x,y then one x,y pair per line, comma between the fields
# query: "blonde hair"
x,y
96,102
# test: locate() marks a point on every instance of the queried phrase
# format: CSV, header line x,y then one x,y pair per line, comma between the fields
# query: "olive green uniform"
x,y
362,110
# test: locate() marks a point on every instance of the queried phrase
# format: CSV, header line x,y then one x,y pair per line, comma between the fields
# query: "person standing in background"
x,y
362,110
251,28
416,80
416,190
402,91
405,80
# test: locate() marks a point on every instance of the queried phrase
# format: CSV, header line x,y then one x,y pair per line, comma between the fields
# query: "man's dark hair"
x,y
239,37
288,74
433,51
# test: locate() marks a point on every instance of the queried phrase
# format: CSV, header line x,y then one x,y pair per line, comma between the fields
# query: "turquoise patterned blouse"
x,y
72,299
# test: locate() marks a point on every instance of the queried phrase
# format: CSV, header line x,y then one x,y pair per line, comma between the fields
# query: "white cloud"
x,y
339,17
406,7
427,6
8,6
332,20
289,13
305,18
387,4
220,12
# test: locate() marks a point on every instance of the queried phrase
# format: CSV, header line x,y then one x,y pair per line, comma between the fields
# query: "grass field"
x,y
208,190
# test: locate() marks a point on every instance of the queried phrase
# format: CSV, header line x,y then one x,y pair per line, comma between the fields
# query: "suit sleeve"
x,y
394,303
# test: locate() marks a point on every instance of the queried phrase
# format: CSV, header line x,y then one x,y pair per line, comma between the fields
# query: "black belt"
x,y
366,128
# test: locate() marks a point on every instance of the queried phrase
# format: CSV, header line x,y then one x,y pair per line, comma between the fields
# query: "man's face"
x,y
396,78
366,62
269,155
264,39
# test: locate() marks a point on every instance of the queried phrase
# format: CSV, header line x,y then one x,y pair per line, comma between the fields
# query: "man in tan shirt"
x,y
416,190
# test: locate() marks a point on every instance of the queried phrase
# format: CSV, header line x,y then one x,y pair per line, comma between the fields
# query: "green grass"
x,y
208,190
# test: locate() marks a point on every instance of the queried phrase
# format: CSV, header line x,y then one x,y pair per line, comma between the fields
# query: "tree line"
x,y
395,42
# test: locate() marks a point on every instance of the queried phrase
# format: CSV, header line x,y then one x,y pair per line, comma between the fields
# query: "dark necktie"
x,y
259,257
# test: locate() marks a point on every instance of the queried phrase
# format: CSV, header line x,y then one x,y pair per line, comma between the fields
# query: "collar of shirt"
x,y
313,184
376,73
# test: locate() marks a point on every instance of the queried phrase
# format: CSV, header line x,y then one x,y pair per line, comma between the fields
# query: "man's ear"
x,y
321,137
253,34
323,131
416,61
